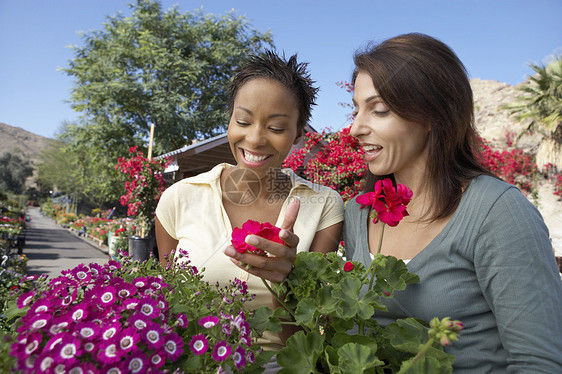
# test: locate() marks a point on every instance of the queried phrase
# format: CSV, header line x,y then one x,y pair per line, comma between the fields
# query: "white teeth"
x,y
369,148
254,158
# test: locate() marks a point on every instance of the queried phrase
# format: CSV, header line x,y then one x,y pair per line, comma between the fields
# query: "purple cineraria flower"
x,y
182,321
125,290
109,331
227,300
38,322
244,328
239,358
137,363
222,351
78,313
156,360
83,368
140,282
245,339
115,368
106,296
138,320
88,330
59,369
25,299
108,353
130,304
32,343
128,338
113,265
42,305
250,357
89,347
81,273
148,307
226,329
44,362
199,344
242,286
152,336
54,342
68,350
173,346
58,326
208,322
95,269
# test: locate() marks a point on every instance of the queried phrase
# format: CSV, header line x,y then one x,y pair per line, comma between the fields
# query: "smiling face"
x,y
392,144
263,125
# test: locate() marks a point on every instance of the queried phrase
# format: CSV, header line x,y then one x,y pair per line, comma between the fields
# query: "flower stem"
x,y
425,348
380,238
282,302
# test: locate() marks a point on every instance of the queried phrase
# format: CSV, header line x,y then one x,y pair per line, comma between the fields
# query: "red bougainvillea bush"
x,y
513,165
338,164
144,186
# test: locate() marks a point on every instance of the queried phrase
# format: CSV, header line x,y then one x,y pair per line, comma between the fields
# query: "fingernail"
x,y
283,234
229,251
251,240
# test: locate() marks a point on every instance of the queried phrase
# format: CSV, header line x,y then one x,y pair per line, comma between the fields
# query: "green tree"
x,y
167,68
13,173
541,102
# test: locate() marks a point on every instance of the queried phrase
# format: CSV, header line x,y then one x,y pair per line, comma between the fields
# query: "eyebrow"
x,y
270,116
367,100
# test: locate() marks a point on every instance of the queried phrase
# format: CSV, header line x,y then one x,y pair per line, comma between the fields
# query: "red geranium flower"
x,y
348,266
250,227
388,202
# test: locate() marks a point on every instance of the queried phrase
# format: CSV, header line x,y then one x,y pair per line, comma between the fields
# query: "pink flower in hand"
x,y
250,227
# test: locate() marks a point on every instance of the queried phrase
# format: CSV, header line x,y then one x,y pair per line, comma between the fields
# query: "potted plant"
x,y
143,188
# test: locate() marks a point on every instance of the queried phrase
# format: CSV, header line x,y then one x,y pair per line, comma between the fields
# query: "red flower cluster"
x,y
348,266
338,164
145,183
250,227
388,203
512,165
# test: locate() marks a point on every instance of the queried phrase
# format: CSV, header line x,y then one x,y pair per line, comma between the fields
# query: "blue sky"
x,y
495,39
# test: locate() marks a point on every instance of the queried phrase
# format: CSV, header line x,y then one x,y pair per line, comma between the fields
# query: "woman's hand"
x,y
279,264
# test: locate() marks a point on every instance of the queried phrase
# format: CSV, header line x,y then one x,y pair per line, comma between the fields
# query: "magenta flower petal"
x,y
209,321
198,344
221,351
239,358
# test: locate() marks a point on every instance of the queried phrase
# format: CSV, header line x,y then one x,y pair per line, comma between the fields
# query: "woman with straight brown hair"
x,y
480,248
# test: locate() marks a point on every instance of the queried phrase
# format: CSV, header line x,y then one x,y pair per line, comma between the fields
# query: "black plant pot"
x,y
140,248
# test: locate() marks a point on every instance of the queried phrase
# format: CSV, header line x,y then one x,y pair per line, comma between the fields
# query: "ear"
x,y
298,137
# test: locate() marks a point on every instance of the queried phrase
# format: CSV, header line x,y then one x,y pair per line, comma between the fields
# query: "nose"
x,y
255,136
358,127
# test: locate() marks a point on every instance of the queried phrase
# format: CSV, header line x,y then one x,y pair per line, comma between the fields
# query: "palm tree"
x,y
541,102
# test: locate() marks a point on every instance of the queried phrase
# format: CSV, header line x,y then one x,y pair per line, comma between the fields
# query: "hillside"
x,y
23,143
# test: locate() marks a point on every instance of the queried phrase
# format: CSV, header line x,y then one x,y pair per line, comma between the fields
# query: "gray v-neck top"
x,y
492,267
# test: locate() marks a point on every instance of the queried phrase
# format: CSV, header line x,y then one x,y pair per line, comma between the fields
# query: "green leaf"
x,y
340,339
301,353
264,319
407,334
426,365
306,309
356,358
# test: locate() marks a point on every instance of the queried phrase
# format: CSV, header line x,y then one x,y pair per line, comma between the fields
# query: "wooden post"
x,y
149,158
150,141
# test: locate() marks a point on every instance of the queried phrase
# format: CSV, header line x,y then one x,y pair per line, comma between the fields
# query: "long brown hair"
x,y
422,80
